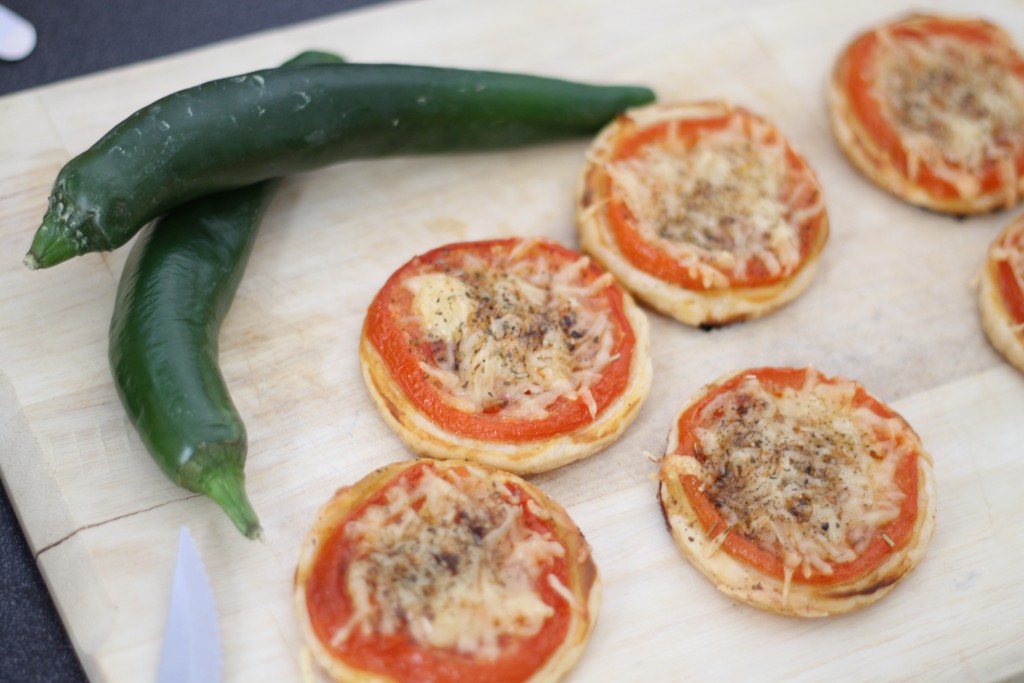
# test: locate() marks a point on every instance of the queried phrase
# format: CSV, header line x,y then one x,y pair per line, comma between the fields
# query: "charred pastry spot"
x,y
449,561
587,198
869,589
664,505
743,406
478,531
392,408
800,508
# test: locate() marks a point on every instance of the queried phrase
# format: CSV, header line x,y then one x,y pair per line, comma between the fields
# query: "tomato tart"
x,y
1001,293
445,572
518,353
931,108
703,210
797,493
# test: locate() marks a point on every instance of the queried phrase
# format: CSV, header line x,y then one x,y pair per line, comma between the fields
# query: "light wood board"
x,y
892,306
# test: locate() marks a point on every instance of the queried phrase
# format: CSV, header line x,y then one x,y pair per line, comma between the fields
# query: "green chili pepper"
x,y
176,287
237,131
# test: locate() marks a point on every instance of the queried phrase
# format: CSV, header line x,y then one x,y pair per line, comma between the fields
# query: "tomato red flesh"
x,y
1009,284
1009,289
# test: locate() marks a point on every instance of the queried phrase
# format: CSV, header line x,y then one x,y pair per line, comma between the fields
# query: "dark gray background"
x,y
78,37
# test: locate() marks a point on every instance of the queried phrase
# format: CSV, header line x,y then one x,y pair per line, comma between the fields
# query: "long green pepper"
x,y
236,131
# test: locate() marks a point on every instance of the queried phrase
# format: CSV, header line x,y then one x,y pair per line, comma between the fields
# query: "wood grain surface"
x,y
893,306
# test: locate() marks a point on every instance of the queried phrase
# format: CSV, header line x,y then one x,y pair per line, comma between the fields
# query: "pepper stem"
x,y
226,487
51,244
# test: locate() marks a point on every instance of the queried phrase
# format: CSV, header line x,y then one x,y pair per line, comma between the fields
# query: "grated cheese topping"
x,y
516,334
806,474
956,106
721,203
450,561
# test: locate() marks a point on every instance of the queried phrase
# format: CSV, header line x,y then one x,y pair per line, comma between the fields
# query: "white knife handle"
x,y
17,36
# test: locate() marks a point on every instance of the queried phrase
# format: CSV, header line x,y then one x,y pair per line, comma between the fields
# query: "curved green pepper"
x,y
177,285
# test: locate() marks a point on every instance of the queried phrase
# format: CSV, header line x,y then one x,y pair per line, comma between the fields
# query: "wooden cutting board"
x,y
892,306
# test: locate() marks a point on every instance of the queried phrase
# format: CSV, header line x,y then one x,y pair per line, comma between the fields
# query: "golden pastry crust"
x,y
746,582
724,301
584,584
969,180
428,437
1005,333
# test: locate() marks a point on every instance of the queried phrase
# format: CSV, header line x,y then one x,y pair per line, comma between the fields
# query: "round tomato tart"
x,y
797,493
430,571
703,210
1001,293
518,353
931,108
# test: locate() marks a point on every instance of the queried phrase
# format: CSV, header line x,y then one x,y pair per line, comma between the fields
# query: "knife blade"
x,y
17,36
191,649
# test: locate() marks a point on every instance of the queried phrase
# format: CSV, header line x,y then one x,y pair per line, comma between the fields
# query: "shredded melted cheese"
x,y
517,334
451,562
956,106
805,474
722,203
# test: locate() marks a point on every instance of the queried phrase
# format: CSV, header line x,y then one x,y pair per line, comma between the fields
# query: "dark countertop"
x,y
76,38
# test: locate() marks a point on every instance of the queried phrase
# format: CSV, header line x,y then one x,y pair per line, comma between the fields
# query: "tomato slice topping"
x,y
398,654
866,61
1012,240
886,539
700,246
412,355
